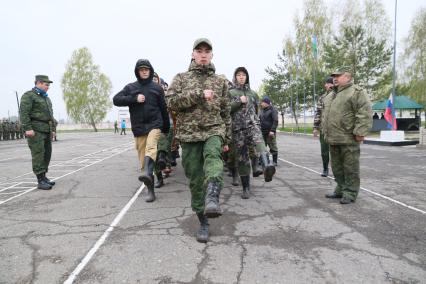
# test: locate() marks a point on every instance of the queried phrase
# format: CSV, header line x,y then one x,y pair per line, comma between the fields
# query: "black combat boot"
x,y
160,181
203,232
245,181
211,204
324,169
161,160
234,173
148,179
42,184
275,159
268,167
47,180
255,167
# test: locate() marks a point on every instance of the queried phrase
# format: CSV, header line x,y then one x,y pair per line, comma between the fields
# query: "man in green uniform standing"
x,y
346,121
201,102
325,150
36,115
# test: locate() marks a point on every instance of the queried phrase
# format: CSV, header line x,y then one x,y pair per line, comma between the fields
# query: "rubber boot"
x,y
161,160
203,231
47,180
234,173
275,159
42,184
211,204
255,167
268,167
148,179
245,181
160,181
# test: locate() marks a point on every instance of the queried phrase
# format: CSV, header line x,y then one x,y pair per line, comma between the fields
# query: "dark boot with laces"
x,y
211,204
203,231
42,184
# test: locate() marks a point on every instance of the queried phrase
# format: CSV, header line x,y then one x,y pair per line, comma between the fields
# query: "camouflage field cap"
x,y
202,40
341,70
43,78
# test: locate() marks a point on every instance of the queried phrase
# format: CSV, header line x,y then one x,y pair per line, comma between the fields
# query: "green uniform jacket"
x,y
197,119
346,113
36,112
243,115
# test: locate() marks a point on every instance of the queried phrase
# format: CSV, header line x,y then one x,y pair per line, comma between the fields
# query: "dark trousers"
x,y
325,151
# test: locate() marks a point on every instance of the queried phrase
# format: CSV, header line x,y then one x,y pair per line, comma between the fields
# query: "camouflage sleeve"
x,y
363,119
177,99
25,110
236,103
318,112
225,112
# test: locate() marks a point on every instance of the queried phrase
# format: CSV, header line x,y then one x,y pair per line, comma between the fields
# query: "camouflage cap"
x,y
202,40
341,70
43,78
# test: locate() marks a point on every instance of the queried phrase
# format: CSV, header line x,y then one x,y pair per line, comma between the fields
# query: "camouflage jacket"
x,y
197,119
243,115
318,112
347,112
36,112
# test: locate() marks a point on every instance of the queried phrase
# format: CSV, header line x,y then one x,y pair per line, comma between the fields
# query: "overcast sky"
x,y
38,37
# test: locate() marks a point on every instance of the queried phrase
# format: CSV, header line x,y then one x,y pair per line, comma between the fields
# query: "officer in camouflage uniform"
x,y
246,130
325,149
346,121
36,115
201,102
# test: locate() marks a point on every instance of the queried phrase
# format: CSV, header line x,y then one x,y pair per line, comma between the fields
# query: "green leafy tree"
x,y
415,58
369,59
85,89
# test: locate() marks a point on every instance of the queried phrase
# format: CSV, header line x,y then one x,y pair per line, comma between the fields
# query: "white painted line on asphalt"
x,y
368,190
77,170
102,239
6,159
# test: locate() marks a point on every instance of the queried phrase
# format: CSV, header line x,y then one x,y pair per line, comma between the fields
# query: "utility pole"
x,y
19,110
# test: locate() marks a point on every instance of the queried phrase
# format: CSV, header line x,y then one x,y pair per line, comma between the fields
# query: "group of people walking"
x,y
217,123
212,119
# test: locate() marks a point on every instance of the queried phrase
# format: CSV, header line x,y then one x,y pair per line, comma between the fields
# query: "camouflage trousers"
x,y
202,163
244,140
271,142
41,151
325,151
345,166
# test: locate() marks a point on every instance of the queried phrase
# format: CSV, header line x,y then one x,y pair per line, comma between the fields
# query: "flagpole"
x,y
394,59
394,53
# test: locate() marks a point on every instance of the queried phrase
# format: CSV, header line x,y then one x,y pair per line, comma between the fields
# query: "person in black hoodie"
x,y
148,116
268,124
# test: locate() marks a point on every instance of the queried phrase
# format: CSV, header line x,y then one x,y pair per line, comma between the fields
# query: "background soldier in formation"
x,y
36,115
200,99
346,121
325,149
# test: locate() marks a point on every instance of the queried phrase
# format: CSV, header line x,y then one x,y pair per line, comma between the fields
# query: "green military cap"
x,y
341,70
43,78
202,40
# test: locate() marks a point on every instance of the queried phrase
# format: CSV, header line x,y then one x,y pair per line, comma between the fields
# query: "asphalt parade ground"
x,y
95,227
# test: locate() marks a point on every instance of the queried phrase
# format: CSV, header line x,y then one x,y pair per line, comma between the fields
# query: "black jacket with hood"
x,y
150,114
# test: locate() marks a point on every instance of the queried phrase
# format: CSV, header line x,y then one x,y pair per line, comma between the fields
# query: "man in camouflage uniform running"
x,y
246,130
200,99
